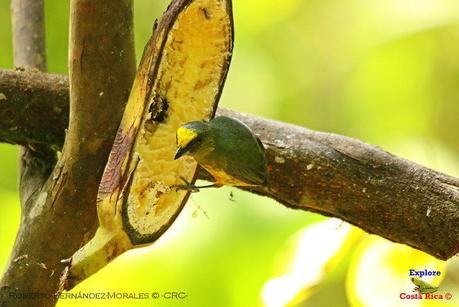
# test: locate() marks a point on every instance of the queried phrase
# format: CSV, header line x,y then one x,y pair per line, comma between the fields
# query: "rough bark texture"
x,y
35,162
24,119
362,184
29,33
59,217
338,176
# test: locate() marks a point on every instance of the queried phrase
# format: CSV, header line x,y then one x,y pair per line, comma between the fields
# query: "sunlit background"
x,y
384,71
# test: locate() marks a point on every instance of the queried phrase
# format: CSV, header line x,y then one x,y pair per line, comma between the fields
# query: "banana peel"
x,y
180,79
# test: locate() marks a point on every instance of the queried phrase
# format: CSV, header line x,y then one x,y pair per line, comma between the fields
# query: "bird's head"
x,y
193,138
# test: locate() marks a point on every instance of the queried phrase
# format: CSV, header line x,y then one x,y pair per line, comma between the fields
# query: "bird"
x,y
227,149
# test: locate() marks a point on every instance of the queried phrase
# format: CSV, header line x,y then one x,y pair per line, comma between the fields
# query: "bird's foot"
x,y
187,186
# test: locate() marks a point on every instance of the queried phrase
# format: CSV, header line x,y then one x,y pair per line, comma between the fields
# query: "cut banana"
x,y
180,79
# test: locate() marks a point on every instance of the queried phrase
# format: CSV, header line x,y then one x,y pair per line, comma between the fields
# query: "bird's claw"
x,y
188,186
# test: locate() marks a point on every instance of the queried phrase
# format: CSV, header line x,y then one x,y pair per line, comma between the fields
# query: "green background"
x,y
384,71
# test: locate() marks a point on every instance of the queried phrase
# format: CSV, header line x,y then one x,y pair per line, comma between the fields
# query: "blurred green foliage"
x,y
385,71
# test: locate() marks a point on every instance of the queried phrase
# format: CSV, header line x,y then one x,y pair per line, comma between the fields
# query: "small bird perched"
x,y
227,149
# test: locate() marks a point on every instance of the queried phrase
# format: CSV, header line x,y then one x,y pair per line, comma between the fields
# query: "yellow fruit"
x,y
180,79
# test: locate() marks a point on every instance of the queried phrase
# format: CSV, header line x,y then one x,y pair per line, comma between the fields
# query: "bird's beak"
x,y
180,152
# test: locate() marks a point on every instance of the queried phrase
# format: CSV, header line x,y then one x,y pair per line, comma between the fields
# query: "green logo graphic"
x,y
423,287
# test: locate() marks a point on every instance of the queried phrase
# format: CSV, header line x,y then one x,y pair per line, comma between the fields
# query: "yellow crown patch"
x,y
185,136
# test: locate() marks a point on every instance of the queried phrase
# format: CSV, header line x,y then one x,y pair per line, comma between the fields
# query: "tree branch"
x,y
35,163
343,177
29,33
34,108
61,216
325,173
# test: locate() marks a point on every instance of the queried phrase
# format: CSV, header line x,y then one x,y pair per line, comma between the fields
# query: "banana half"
x,y
180,79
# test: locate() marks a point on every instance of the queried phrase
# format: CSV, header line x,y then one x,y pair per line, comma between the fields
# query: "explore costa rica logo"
x,y
423,289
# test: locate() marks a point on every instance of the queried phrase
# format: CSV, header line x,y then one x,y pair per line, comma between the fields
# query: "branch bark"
x,y
29,33
42,100
60,216
362,184
322,172
35,163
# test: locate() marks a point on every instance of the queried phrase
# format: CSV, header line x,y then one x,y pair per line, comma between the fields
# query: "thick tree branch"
x,y
29,33
35,164
362,184
24,119
325,173
61,216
